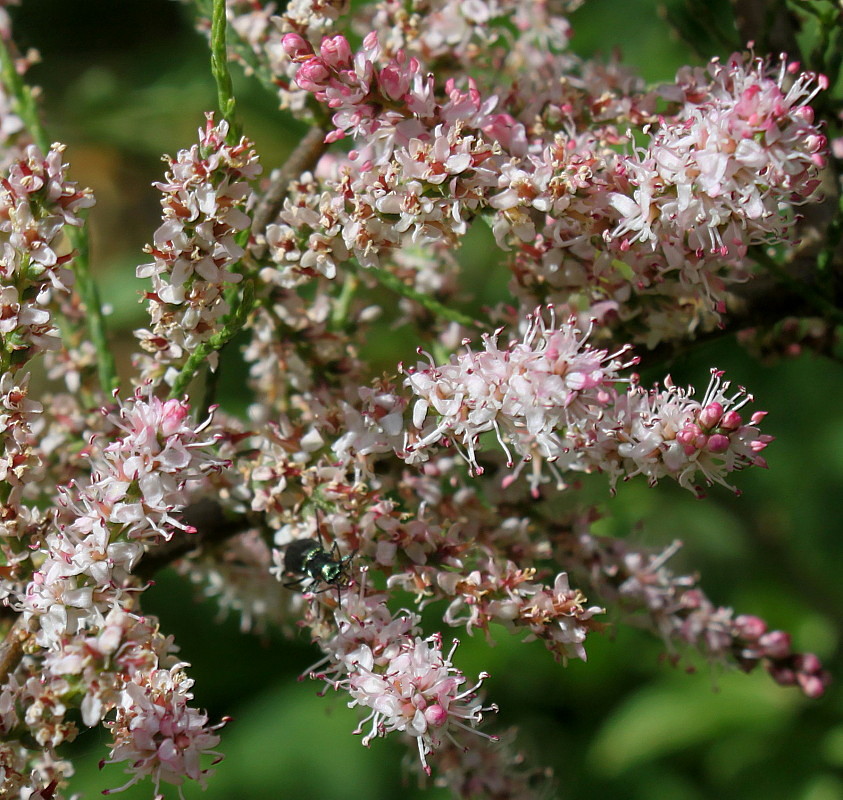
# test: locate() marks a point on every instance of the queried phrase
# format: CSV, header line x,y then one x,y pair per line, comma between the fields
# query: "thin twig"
x,y
26,108
307,153
219,69
394,283
211,526
11,649
233,324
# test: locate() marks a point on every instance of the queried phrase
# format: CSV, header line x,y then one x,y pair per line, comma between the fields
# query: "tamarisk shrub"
x,y
632,221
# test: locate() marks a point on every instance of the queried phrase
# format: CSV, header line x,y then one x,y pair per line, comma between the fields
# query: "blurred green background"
x,y
125,82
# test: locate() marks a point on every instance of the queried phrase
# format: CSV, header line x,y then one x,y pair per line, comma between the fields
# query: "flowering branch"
x,y
231,325
682,615
22,95
219,69
348,499
25,106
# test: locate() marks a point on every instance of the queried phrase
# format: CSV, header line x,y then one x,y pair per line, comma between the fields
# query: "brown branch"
x,y
11,649
212,527
307,153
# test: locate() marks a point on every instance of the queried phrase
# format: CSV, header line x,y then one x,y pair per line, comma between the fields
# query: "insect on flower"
x,y
310,561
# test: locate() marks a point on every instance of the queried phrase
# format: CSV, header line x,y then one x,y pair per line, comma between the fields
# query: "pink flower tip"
x,y
336,52
296,47
436,715
776,644
711,415
731,421
750,626
718,443
783,676
812,686
313,74
808,662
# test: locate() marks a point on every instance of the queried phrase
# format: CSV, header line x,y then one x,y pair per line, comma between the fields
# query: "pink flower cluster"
x,y
127,665
138,482
714,178
196,247
553,399
535,394
680,612
667,433
618,215
406,682
158,733
36,203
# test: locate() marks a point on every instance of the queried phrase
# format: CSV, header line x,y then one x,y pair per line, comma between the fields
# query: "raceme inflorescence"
x,y
348,499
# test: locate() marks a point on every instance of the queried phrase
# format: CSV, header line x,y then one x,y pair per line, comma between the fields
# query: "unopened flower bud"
x,y
812,685
776,644
296,47
718,443
336,52
313,75
807,662
436,715
394,82
711,415
693,598
731,421
750,627
784,676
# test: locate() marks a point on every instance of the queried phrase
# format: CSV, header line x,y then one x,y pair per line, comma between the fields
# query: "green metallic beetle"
x,y
309,559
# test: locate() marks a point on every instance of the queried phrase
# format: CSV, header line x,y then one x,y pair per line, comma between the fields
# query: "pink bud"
x,y
313,75
805,113
690,433
718,443
784,676
750,627
807,662
711,415
813,686
436,715
692,599
336,52
776,644
296,47
393,81
174,412
731,421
